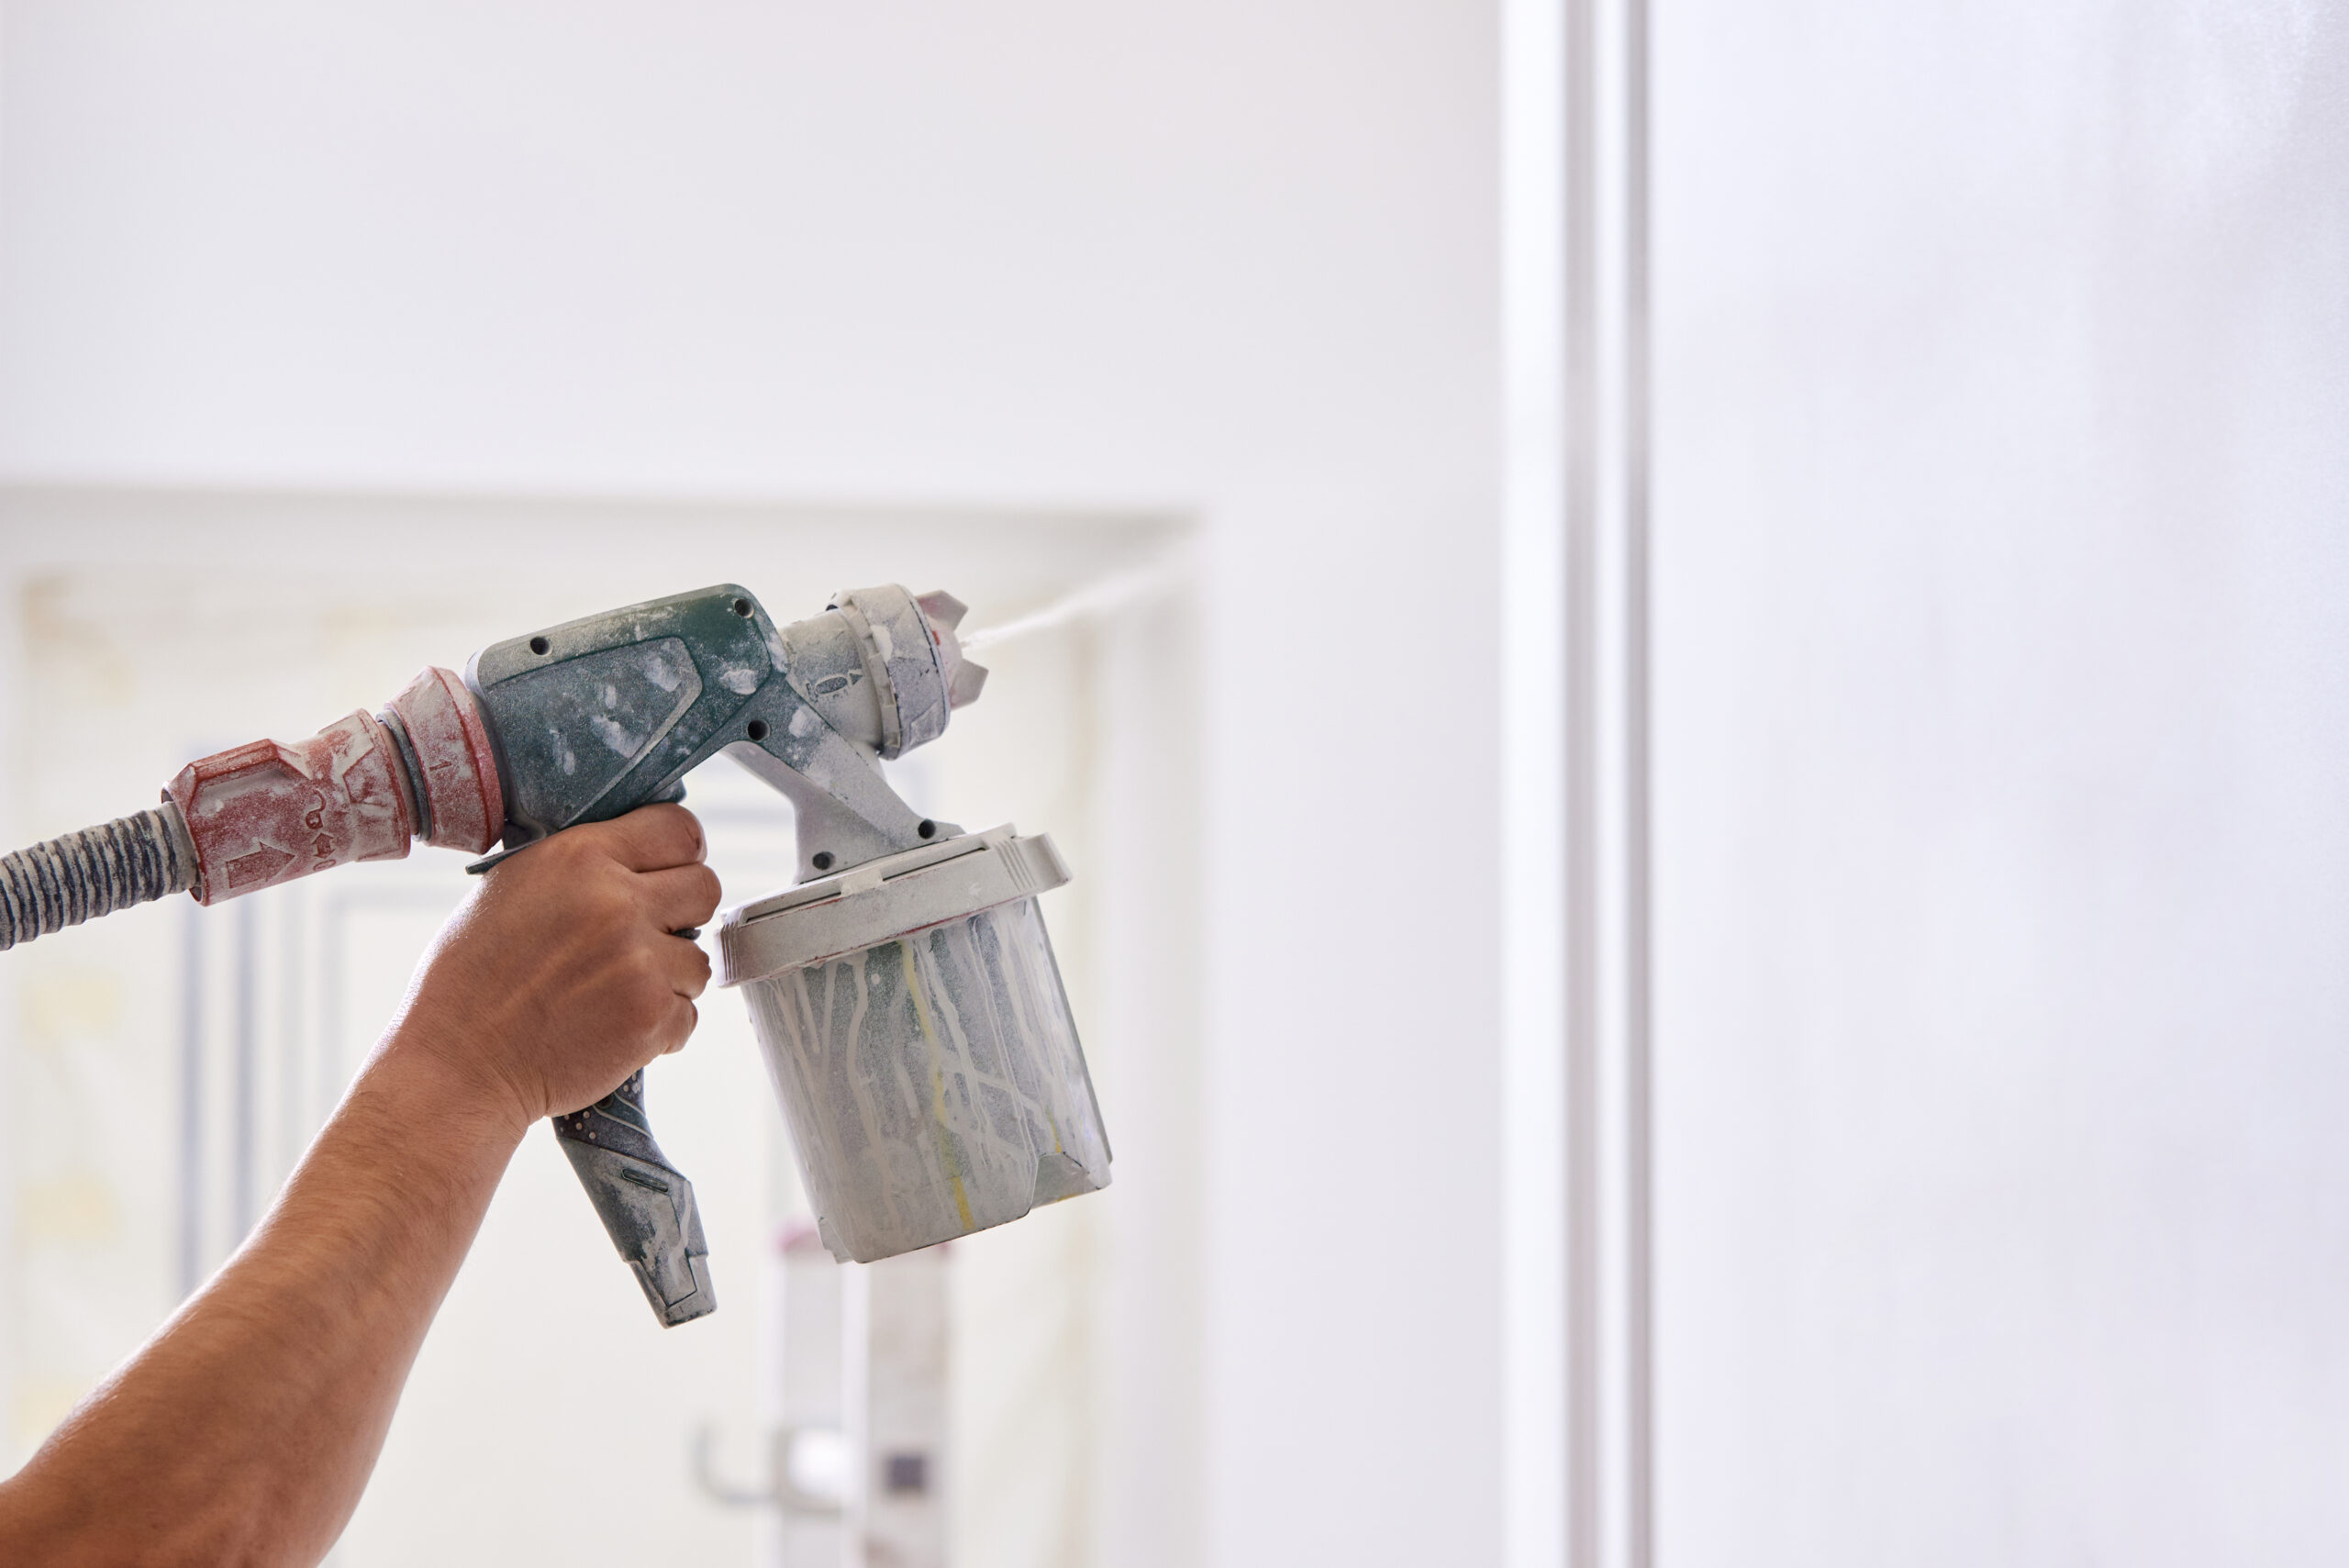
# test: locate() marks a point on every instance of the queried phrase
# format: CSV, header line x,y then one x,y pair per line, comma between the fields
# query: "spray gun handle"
x,y
646,1206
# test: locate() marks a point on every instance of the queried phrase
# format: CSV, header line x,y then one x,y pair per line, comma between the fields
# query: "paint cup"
x,y
921,1043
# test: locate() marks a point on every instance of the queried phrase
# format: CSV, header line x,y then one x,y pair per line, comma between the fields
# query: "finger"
x,y
686,968
650,837
680,896
680,1028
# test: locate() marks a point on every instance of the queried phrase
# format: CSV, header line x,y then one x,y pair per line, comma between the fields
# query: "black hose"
x,y
96,872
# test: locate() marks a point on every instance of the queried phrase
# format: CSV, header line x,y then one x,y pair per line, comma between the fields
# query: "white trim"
x,y
1576,1311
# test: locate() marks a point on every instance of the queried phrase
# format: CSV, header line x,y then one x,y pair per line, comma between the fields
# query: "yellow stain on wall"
x,y
68,1003
77,1207
76,656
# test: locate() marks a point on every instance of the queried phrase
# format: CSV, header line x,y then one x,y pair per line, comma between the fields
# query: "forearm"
x,y
244,1431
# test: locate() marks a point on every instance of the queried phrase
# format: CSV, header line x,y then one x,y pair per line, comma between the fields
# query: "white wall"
x,y
2003,749
1234,260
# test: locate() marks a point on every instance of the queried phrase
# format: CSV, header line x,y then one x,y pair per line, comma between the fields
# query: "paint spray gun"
x,y
904,991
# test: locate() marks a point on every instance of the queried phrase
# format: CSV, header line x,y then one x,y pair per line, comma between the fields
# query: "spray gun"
x,y
904,991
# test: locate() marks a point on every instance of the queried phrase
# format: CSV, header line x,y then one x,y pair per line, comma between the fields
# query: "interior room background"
x,y
1997,715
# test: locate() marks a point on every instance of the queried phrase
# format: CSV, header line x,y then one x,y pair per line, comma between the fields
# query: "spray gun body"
x,y
587,720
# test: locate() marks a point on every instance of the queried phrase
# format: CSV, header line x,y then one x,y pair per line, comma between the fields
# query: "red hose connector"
x,y
451,761
358,790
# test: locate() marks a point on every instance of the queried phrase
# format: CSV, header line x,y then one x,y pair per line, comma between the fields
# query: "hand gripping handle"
x,y
646,1206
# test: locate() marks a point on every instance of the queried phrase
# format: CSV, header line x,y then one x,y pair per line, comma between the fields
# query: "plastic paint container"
x,y
920,1043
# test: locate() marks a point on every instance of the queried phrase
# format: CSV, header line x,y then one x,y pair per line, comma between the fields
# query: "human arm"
x,y
243,1432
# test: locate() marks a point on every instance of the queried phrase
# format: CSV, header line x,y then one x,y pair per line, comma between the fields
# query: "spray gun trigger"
x,y
486,861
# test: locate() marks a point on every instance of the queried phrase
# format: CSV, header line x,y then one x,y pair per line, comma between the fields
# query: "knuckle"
x,y
568,849
663,826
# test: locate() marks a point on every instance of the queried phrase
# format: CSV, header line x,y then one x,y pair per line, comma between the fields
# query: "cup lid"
x,y
884,899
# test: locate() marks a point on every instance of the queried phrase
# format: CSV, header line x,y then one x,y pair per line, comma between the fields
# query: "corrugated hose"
x,y
96,872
